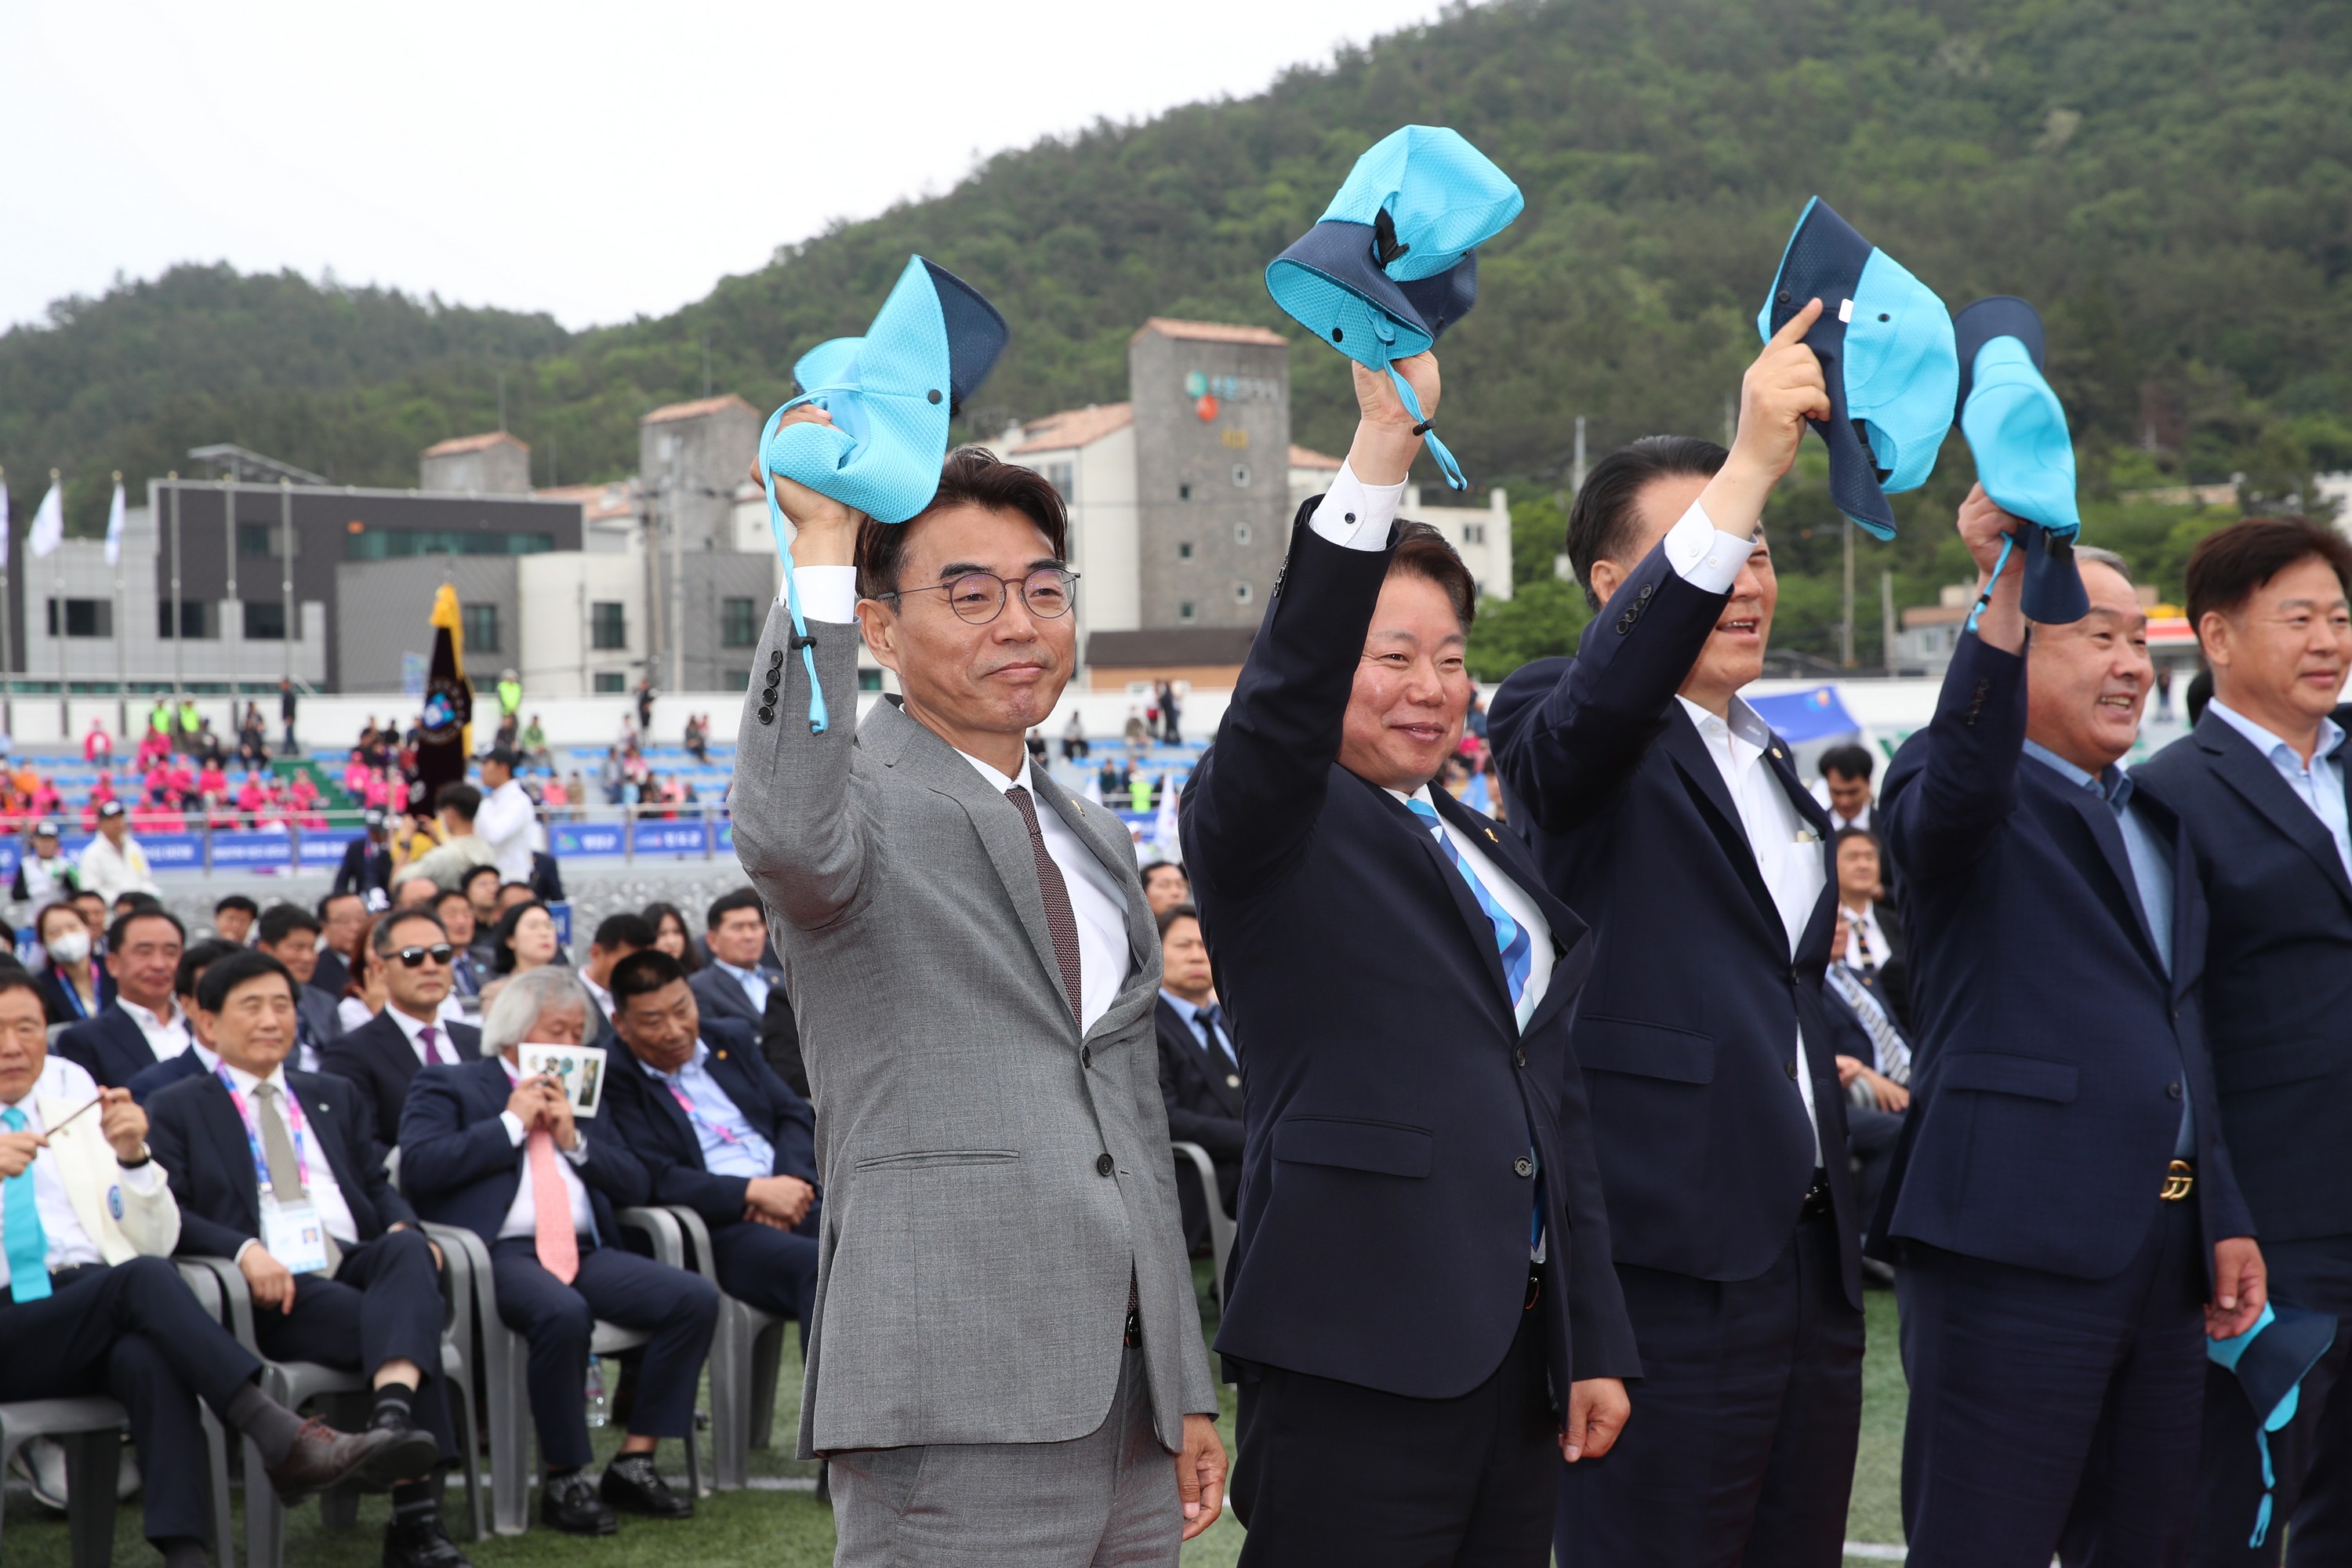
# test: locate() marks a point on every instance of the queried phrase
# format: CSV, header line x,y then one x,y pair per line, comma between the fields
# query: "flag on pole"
x,y
114,526
48,530
448,703
1163,827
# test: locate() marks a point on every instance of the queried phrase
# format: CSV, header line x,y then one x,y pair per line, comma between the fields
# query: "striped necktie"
x,y
1510,937
1893,1056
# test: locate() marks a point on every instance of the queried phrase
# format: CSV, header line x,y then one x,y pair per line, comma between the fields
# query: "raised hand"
x,y
1385,444
1782,389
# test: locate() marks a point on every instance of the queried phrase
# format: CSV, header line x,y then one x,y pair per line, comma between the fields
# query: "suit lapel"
x,y
326,1125
668,1107
235,1153
1688,752
2098,820
1823,920
82,1185
1208,1063
2253,776
1475,918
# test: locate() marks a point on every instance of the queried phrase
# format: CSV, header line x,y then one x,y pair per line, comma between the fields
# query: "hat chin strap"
x,y
1426,428
801,638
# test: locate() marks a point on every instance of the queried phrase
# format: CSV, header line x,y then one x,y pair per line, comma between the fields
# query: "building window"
x,y
1184,611
869,681
265,620
1474,533
196,619
1243,593
1183,492
1064,478
739,625
263,539
1241,474
608,630
481,627
84,618
735,680
611,681
1185,551
395,543
1241,533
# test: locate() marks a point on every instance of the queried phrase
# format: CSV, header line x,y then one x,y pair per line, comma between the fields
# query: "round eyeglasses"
x,y
979,596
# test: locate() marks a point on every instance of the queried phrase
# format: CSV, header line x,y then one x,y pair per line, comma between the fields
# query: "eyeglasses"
x,y
415,957
979,596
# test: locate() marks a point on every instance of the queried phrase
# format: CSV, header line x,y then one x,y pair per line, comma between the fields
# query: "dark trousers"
x,y
1741,1446
678,1309
2311,1456
1333,1472
384,1304
2047,1408
134,1332
1869,1137
774,1270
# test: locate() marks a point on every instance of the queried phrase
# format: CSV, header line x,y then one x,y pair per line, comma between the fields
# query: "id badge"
x,y
295,1236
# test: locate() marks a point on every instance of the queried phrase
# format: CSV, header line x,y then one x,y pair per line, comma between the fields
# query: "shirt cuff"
x,y
1706,560
238,1256
578,1152
1356,515
514,1127
828,593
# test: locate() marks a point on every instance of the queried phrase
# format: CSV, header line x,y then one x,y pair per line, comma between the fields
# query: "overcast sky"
x,y
597,159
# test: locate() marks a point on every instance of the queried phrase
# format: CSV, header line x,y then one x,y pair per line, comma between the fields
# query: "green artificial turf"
x,y
790,1529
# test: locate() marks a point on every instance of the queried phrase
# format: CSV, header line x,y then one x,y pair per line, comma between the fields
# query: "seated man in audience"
x,y
382,1055
89,1303
414,891
1874,1063
457,913
341,918
232,918
198,1058
142,1025
718,1132
618,937
461,849
482,889
1845,787
1874,947
1165,886
1199,1071
289,933
483,1147
254,1154
738,977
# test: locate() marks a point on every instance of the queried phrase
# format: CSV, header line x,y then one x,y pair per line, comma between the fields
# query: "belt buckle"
x,y
2180,1181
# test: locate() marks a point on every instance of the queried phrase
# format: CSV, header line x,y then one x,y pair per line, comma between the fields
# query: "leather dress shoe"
x,y
324,1458
569,1503
422,1544
631,1483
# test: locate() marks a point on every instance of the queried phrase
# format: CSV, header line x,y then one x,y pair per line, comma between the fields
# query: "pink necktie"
x,y
559,1247
432,1051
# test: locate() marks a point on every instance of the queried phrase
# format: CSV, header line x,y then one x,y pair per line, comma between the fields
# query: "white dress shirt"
x,y
503,822
1788,851
829,594
326,1193
603,997
754,984
522,1214
1866,941
2319,783
167,1036
70,1247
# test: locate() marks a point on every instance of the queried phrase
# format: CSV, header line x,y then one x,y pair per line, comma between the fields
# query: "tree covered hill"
x,y
2169,180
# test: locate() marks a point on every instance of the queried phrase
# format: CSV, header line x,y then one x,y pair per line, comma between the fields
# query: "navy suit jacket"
x,y
378,1058
364,866
1202,1092
2278,975
716,992
201,1144
148,1081
663,1142
62,1002
2053,1051
1688,1030
457,1166
110,1046
1391,1095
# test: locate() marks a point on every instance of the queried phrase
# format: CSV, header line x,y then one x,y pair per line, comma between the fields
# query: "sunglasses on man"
x,y
415,957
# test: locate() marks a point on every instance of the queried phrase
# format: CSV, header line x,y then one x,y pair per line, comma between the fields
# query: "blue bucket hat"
x,y
2270,1361
2025,460
891,394
1884,341
1392,261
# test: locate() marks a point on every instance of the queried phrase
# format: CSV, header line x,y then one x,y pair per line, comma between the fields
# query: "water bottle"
x,y
596,1416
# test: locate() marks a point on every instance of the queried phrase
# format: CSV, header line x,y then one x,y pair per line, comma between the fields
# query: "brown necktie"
x,y
1059,919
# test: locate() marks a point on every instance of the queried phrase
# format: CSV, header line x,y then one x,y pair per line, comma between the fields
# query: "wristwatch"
x,y
145,1154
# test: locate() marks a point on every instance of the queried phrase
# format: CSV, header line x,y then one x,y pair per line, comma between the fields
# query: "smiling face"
x,y
2280,657
1412,690
2086,683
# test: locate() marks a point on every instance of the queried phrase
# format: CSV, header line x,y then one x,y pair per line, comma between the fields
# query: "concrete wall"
x,y
1219,485
558,593
387,611
710,579
1481,535
502,467
692,466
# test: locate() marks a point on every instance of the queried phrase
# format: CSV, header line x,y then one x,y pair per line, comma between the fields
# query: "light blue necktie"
x,y
27,1247
1510,937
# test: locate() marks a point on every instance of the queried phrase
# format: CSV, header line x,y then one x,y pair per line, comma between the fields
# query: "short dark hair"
x,y
972,476
462,798
1144,876
442,895
280,922
330,902
41,917
120,932
134,901
1837,841
466,878
502,755
725,904
643,973
1170,916
2229,567
1424,552
236,901
235,970
1600,518
1852,762
623,930
380,940
196,960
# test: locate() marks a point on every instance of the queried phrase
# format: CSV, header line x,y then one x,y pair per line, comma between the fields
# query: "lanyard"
x,y
253,1138
696,1116
73,996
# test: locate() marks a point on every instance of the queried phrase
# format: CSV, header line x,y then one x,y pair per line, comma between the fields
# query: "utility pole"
x,y
7,654
228,511
122,681
1886,620
286,522
1845,630
1576,473
65,708
179,606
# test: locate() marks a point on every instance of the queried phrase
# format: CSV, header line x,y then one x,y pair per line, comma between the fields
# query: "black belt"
x,y
1817,1204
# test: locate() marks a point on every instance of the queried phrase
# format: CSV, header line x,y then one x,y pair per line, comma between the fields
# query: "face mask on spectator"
x,y
70,946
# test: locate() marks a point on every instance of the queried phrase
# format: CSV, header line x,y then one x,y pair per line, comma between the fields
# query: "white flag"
x,y
1163,827
48,530
114,526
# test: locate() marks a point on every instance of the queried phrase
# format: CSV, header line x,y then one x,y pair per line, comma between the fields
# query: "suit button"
x,y
1523,1166
1105,1164
775,658
767,715
2172,1091
1789,1066
1519,1056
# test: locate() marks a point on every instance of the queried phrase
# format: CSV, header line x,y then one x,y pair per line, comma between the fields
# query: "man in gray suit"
x,y
1005,1348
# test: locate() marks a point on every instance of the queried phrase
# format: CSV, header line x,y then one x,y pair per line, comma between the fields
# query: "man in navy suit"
x,y
2061,1205
737,982
1199,1071
1421,1312
198,1058
1665,810
382,1055
143,1024
255,1153
486,1148
718,1132
366,867
2259,789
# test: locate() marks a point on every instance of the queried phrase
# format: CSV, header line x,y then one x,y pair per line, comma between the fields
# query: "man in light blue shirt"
x,y
1199,1069
738,980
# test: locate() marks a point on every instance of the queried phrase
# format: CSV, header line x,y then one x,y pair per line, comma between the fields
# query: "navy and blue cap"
x,y
2270,1361
891,394
2025,459
1884,341
1393,261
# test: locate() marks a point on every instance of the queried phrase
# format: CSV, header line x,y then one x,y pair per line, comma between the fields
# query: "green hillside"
x,y
2171,180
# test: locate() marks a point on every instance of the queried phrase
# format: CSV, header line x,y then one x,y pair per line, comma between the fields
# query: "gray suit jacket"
x,y
991,1180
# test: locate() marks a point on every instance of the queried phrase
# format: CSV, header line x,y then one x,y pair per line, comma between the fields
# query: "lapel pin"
x,y
1490,837
1776,753
1232,1080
